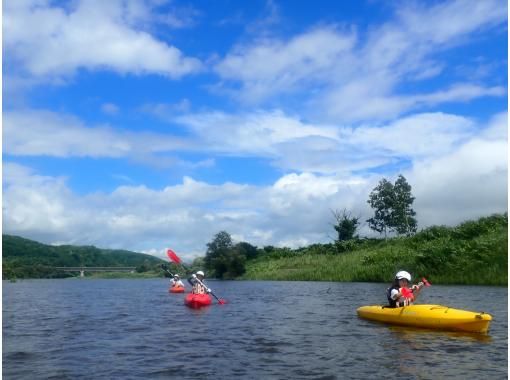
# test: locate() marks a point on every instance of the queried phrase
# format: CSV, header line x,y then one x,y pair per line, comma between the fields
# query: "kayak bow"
x,y
428,316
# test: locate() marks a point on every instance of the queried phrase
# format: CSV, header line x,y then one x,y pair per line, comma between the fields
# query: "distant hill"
x,y
24,258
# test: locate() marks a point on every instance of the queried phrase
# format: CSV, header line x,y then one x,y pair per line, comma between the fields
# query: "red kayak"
x,y
196,301
176,289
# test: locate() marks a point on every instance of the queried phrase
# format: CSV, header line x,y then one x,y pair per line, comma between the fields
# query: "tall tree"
x,y
404,221
223,258
217,251
392,207
381,200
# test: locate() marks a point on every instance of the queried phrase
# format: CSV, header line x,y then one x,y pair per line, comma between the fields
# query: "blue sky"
x,y
152,124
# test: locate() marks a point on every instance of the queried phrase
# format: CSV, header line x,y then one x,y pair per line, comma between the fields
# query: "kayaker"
x,y
399,294
197,282
176,282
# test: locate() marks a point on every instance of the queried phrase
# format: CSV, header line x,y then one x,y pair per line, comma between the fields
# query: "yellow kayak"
x,y
429,316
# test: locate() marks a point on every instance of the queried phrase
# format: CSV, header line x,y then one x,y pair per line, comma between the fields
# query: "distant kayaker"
x,y
176,282
399,293
197,282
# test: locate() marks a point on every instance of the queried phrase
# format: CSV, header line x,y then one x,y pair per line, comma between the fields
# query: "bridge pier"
x,y
82,273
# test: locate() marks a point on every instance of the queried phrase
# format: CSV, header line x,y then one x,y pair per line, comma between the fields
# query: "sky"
x,y
147,125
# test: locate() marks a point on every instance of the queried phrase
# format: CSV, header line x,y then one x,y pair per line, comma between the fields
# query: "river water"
x,y
135,329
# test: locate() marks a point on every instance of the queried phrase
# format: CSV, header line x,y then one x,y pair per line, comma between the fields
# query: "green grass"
x,y
473,253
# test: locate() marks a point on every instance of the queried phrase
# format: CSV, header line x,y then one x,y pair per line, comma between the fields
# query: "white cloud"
x,y
273,66
294,145
465,181
288,142
362,100
44,133
252,133
87,34
469,182
452,19
416,136
350,78
458,93
39,206
185,216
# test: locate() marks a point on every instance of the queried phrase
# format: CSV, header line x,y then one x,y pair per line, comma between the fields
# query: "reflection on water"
x,y
411,334
135,329
419,351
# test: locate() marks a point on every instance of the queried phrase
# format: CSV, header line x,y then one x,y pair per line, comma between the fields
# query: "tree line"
x,y
393,214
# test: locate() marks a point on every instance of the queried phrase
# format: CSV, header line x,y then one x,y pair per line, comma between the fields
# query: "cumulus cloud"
x,y
144,219
86,34
468,180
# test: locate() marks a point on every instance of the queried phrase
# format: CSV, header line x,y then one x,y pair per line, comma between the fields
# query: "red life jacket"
x,y
406,293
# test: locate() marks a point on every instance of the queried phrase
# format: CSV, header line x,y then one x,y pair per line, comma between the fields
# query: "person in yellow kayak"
x,y
197,283
176,282
401,293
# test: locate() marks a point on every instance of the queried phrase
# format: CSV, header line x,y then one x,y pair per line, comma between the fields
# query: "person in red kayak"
x,y
176,282
197,282
400,293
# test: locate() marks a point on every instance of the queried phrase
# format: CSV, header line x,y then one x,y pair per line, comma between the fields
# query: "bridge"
x,y
82,270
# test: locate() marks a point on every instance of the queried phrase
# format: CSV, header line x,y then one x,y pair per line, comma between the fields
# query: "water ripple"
x,y
135,329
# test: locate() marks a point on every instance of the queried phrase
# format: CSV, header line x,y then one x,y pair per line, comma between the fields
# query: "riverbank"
x,y
473,253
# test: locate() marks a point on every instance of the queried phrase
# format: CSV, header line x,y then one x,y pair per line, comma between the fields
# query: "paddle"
x,y
172,256
176,259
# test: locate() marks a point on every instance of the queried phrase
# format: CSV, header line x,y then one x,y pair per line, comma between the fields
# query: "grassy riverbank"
x,y
473,253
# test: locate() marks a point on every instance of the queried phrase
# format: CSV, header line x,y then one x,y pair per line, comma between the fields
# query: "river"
x,y
135,329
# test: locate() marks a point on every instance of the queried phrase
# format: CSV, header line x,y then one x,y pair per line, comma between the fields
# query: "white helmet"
x,y
176,275
403,274
200,273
